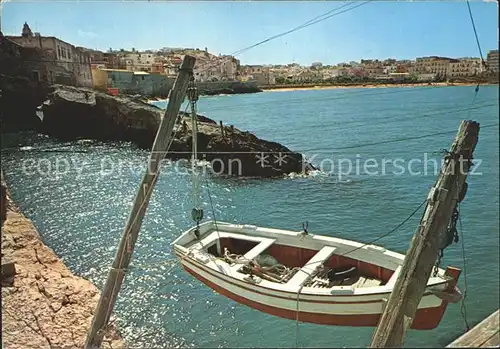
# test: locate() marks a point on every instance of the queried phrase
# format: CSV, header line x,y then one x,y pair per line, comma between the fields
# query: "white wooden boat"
x,y
301,276
305,277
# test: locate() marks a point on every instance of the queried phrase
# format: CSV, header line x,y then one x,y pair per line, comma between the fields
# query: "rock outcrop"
x,y
233,88
43,305
73,113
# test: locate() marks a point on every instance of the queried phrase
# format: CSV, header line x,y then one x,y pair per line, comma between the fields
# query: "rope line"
x,y
312,21
400,139
390,231
343,254
212,206
240,258
304,25
297,315
57,148
463,309
475,34
443,111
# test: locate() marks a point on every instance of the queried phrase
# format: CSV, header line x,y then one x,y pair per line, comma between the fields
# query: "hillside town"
x,y
151,72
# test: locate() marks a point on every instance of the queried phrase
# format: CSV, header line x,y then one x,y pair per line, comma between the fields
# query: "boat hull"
x,y
316,291
364,312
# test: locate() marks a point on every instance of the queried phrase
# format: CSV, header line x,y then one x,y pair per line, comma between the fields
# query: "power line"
x,y
315,20
312,21
401,139
389,232
49,149
475,34
420,116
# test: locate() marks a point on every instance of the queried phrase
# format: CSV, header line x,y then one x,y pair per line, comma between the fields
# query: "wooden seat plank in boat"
x,y
310,267
394,277
261,247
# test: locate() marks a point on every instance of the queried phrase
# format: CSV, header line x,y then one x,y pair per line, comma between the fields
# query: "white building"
x,y
138,61
464,67
492,61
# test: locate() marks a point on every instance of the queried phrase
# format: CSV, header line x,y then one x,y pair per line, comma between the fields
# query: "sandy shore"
x,y
299,88
44,305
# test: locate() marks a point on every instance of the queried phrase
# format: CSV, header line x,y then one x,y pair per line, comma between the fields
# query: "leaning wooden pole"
x,y
402,304
133,225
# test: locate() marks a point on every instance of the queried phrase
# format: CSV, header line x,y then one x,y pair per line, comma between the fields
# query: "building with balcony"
x,y
464,67
432,65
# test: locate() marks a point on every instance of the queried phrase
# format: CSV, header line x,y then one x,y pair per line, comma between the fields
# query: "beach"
x,y
328,87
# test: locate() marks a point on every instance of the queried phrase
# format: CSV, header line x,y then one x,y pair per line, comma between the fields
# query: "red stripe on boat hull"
x,y
425,319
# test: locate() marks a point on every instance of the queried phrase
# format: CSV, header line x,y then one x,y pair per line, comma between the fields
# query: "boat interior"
x,y
282,263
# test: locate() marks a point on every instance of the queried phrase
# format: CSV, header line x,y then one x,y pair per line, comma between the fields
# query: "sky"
x,y
375,30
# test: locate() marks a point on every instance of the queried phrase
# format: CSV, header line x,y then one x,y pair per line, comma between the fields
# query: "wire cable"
x,y
402,139
310,22
389,232
313,21
56,148
475,34
463,309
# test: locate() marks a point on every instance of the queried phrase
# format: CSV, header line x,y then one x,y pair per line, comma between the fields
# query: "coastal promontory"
x,y
71,113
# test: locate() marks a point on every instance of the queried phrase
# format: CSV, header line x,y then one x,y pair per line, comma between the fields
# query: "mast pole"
x,y
131,232
197,211
193,97
420,258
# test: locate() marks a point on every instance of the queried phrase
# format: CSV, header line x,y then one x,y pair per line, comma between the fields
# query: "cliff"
x,y
43,305
19,98
73,113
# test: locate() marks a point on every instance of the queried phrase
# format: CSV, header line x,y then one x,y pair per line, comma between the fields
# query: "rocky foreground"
x,y
43,305
73,113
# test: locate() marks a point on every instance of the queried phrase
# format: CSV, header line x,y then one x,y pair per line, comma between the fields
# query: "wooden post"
x,y
402,304
221,128
131,231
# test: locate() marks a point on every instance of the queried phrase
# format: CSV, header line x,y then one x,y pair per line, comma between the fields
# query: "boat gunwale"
x,y
306,291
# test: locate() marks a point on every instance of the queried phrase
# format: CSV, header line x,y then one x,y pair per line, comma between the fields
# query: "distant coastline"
x,y
306,87
311,86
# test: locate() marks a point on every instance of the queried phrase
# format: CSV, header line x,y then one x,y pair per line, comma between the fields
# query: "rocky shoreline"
x,y
44,305
231,89
72,113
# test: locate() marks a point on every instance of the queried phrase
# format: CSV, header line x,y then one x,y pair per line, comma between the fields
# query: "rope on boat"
x,y
389,232
297,317
309,275
463,309
212,206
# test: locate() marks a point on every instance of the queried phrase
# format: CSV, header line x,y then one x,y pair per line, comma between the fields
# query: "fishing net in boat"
x,y
264,265
267,267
